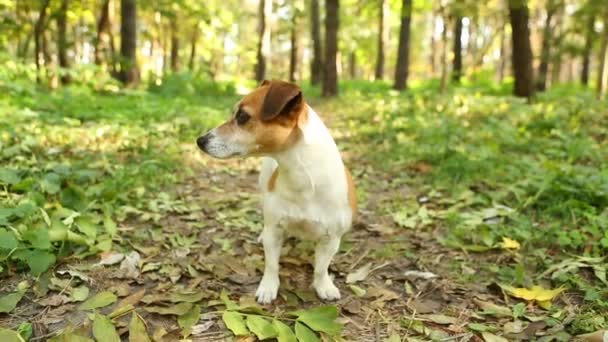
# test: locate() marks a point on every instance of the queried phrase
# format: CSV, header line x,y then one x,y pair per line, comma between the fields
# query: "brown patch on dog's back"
x,y
352,193
273,180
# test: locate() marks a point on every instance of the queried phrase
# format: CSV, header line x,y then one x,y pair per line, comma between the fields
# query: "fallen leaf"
x,y
98,301
304,334
54,300
359,274
598,336
201,328
413,274
439,319
132,299
235,323
536,293
178,309
284,332
111,258
509,244
320,319
80,293
261,327
7,335
137,329
130,265
104,330
359,292
10,301
189,319
492,309
489,337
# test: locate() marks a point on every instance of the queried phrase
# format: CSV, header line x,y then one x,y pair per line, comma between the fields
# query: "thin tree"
x,y
603,54
105,38
522,51
402,68
174,44
332,23
457,62
193,42
316,66
293,54
263,49
382,37
545,54
38,39
129,72
62,43
589,38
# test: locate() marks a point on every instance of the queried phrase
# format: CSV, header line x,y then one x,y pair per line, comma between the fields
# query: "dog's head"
x,y
263,122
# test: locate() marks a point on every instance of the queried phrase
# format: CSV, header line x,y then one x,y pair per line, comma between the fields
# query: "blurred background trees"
x,y
532,43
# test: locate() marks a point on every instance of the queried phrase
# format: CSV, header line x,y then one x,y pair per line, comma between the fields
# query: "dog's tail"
x,y
268,167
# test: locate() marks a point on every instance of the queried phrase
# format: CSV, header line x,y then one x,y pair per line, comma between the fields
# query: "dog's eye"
x,y
241,117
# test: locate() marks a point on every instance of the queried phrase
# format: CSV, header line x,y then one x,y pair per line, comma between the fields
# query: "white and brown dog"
x,y
306,189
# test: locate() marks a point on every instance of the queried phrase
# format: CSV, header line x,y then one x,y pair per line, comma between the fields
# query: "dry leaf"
x,y
509,244
598,336
359,274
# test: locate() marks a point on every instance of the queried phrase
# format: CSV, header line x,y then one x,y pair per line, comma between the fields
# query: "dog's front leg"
x,y
272,238
324,252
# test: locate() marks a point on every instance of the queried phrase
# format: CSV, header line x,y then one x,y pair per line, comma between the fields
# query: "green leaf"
x,y
104,330
109,225
7,239
234,321
187,320
178,309
261,327
10,336
285,334
70,337
230,304
86,226
479,327
137,329
38,238
25,329
9,176
98,301
10,301
51,183
321,319
39,261
80,293
304,334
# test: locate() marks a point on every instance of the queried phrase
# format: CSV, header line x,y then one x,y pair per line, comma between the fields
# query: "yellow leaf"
x,y
545,304
536,293
509,244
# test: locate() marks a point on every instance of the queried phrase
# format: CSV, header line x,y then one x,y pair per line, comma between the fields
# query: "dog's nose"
x,y
202,141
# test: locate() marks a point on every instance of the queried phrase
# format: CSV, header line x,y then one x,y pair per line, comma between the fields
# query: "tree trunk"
x,y
433,45
332,23
174,45
293,56
263,52
443,83
62,43
589,37
129,72
193,41
502,63
545,54
382,33
457,62
402,68
603,54
38,33
352,65
103,28
316,68
522,51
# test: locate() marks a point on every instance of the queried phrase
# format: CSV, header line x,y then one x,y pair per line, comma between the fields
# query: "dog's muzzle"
x,y
203,141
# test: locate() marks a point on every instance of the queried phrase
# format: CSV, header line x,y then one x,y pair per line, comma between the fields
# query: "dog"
x,y
306,189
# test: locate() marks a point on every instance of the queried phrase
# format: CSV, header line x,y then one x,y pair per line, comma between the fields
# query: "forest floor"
x,y
481,219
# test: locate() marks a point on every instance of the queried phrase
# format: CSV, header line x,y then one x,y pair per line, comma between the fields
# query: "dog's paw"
x,y
267,290
326,290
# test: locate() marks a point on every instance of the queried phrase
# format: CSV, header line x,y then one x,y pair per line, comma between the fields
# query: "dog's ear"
x,y
282,98
264,82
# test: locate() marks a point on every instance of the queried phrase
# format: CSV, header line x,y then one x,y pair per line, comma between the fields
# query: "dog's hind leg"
x,y
272,238
324,252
